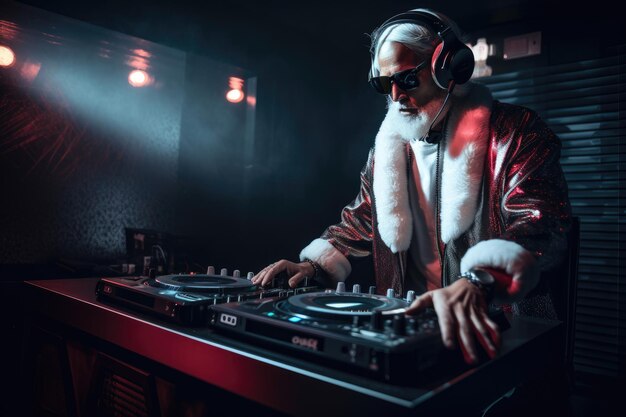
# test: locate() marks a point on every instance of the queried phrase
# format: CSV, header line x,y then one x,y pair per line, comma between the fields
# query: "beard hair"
x,y
411,126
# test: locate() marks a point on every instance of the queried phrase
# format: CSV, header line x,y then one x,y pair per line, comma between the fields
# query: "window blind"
x,y
583,103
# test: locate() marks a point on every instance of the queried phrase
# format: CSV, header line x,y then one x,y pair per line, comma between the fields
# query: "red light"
x,y
7,57
138,78
234,96
142,53
30,70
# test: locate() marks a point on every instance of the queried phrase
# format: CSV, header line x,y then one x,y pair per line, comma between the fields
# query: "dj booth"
x,y
86,355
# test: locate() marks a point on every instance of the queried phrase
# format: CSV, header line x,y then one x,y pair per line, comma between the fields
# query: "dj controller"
x,y
364,332
185,298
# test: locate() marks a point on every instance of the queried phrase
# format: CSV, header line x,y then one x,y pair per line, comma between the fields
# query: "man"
x,y
462,198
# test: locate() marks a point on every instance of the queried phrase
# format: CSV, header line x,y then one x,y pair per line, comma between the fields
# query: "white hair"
x,y
419,39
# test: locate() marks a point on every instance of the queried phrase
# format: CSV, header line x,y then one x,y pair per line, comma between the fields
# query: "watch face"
x,y
484,277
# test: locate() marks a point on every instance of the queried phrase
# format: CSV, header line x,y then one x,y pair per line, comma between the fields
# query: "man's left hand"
x,y
462,314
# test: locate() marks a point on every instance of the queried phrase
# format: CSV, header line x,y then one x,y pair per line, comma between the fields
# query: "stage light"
x,y
7,57
482,50
30,70
235,95
138,78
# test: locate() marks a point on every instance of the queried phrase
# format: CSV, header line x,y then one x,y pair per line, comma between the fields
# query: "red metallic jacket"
x,y
499,179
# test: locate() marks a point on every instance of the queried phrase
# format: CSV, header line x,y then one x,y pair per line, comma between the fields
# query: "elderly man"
x,y
462,198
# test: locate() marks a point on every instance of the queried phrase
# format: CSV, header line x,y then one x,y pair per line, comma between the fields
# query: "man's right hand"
x,y
462,314
295,271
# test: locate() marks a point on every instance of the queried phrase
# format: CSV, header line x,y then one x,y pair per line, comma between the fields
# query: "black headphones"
x,y
452,60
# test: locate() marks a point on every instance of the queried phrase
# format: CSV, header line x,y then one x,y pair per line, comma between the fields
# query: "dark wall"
x,y
246,206
315,119
79,146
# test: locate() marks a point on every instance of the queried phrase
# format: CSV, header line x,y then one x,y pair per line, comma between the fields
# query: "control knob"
x,y
399,324
376,321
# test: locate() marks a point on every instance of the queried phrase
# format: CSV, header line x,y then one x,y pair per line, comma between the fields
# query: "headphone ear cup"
x,y
462,64
452,63
437,68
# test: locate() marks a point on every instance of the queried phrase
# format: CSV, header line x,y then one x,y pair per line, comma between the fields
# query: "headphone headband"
x,y
430,21
452,60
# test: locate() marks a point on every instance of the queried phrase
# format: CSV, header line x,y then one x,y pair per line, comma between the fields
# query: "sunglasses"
x,y
405,80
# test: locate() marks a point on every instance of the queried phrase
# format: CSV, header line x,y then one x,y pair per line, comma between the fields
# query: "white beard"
x,y
465,142
413,126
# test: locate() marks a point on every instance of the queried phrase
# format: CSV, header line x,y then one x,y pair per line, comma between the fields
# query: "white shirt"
x,y
424,267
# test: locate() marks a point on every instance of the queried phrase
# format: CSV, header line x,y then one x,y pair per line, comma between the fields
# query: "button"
x,y
376,320
399,324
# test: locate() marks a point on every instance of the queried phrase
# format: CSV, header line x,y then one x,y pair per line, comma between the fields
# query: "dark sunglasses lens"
x,y
408,81
381,84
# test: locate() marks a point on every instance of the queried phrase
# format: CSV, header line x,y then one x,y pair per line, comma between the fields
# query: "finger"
x,y
295,280
482,332
447,324
271,272
259,276
465,335
262,273
420,303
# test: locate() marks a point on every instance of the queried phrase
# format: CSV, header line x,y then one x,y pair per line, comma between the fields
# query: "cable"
x,y
157,249
451,86
506,395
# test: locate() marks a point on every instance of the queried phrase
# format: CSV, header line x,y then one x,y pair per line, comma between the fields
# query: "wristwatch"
x,y
483,280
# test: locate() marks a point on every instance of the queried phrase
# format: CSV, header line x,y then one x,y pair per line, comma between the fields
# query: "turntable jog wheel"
x,y
204,283
341,306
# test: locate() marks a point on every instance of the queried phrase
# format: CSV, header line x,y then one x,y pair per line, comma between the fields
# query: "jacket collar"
x,y
465,144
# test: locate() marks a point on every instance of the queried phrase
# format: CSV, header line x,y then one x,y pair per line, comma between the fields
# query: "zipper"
x,y
402,261
403,254
441,248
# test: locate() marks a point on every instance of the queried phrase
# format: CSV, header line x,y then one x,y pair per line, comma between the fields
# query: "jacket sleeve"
x,y
535,207
352,236
530,214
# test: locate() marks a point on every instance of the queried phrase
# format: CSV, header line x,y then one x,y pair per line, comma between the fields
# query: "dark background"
x,y
315,121
233,186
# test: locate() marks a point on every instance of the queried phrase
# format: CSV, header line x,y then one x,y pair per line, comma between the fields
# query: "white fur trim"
x,y
330,259
510,257
463,163
466,139
395,222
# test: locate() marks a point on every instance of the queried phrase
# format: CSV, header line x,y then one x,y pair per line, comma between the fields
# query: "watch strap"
x,y
487,289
